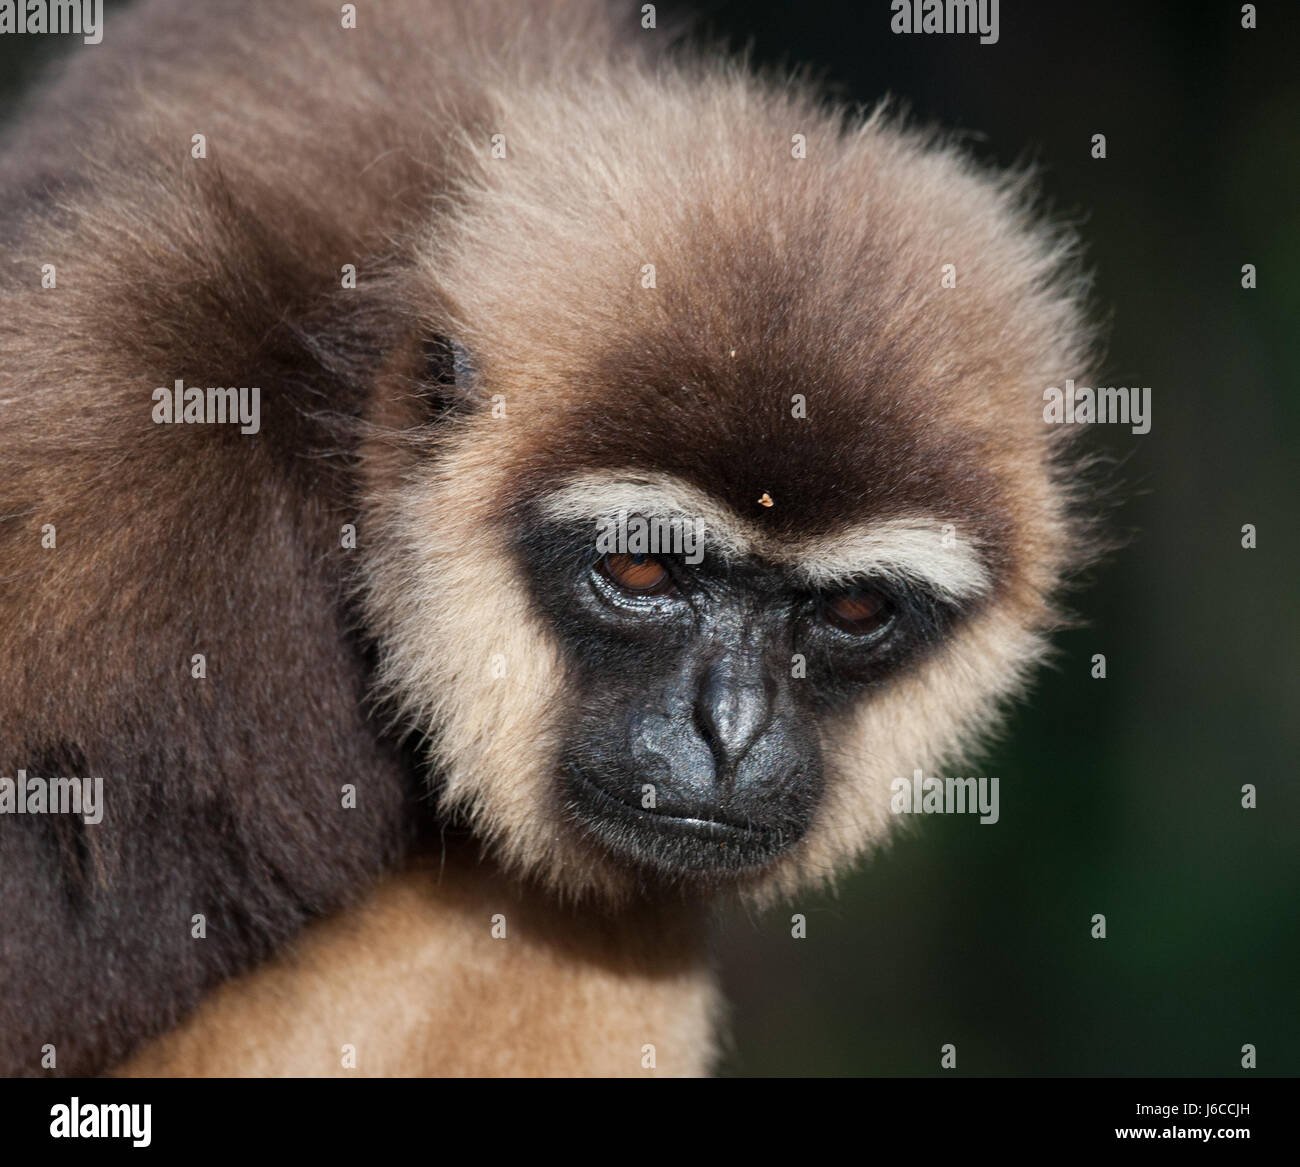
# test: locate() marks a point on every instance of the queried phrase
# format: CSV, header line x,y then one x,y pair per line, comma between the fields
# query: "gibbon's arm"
x,y
452,971
179,208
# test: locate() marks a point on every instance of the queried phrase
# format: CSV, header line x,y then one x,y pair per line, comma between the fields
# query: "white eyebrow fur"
x,y
909,550
915,550
597,496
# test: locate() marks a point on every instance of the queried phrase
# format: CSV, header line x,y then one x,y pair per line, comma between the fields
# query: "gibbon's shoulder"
x,y
449,970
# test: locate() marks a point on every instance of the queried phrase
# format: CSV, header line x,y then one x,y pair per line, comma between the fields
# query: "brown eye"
x,y
858,612
637,573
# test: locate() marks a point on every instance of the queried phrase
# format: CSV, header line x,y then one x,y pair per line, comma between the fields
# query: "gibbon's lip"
x,y
689,821
674,844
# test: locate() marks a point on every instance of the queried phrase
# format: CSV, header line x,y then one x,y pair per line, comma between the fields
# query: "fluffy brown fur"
x,y
775,276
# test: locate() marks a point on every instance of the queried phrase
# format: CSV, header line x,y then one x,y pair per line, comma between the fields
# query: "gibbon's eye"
x,y
858,611
642,575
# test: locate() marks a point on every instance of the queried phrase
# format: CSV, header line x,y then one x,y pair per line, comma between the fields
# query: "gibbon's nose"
x,y
732,710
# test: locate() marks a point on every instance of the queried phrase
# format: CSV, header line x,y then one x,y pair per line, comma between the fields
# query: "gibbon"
x,y
483,486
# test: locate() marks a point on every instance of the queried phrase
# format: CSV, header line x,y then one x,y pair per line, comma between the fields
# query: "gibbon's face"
x,y
711,664
689,330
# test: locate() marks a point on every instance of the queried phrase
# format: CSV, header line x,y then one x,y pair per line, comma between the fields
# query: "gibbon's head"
x,y
662,319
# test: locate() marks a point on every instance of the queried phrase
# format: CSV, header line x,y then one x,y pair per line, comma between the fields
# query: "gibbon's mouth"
x,y
672,844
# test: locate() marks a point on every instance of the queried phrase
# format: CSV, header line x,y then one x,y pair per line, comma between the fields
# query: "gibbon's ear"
x,y
449,380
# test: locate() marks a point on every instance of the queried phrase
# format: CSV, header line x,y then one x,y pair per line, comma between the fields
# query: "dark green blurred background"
x,y
1119,796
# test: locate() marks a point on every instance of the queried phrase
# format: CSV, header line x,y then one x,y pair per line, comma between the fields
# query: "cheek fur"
x,y
464,659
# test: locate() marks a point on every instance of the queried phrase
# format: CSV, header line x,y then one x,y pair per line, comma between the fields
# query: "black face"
x,y
694,748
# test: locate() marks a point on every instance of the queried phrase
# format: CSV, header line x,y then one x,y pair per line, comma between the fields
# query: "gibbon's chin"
x,y
708,840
